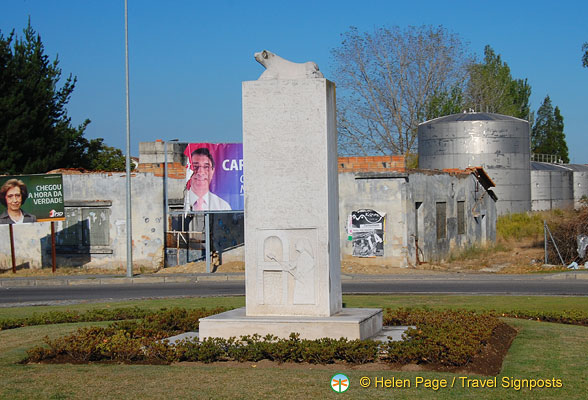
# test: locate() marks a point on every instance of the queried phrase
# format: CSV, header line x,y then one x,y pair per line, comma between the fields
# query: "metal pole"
x,y
555,245
545,239
12,249
207,229
53,253
165,204
128,160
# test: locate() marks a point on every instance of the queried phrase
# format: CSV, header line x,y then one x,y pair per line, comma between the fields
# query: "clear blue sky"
x,y
188,57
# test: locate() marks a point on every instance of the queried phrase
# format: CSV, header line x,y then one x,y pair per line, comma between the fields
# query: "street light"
x,y
128,158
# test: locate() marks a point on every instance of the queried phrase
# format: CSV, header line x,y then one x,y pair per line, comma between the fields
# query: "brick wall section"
x,y
346,164
174,170
372,164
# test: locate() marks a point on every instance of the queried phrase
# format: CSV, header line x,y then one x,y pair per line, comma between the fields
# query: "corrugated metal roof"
x,y
472,116
542,166
578,167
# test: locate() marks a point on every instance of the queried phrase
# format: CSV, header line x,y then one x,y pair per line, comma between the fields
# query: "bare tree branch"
x,y
386,80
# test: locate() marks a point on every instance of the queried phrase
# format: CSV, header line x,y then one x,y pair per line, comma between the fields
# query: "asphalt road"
x,y
473,285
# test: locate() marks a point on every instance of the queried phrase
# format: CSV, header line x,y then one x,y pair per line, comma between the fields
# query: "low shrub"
x,y
570,317
62,317
284,350
174,319
450,337
445,337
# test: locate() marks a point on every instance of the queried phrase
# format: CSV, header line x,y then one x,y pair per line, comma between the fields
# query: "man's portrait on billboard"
x,y
200,197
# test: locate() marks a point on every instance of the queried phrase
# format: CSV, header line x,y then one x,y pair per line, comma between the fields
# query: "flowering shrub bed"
x,y
444,337
573,317
62,317
449,338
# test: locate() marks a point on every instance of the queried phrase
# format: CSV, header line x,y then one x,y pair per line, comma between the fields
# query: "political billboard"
x,y
214,177
31,198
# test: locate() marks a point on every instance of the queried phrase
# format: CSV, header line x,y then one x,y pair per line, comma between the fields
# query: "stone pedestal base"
x,y
350,323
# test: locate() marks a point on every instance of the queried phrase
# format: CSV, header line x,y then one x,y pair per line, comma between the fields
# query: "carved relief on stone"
x,y
273,249
288,253
271,286
303,271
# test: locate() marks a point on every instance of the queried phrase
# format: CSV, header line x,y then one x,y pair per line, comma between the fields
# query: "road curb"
x,y
122,280
580,275
96,280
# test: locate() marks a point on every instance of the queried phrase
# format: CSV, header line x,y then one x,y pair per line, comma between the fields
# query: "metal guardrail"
x,y
547,158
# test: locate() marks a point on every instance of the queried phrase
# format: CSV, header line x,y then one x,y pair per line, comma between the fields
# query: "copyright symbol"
x,y
365,382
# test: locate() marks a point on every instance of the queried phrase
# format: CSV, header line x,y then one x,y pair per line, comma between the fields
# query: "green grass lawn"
x,y
540,351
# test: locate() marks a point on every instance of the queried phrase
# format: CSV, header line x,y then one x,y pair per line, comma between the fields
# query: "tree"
x,y
100,157
491,88
36,134
585,56
547,136
387,80
446,103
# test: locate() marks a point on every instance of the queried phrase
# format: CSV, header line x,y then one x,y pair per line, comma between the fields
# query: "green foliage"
x,y
446,337
585,55
113,344
285,349
547,136
446,102
100,157
477,251
36,134
569,317
519,226
61,317
442,336
168,320
491,88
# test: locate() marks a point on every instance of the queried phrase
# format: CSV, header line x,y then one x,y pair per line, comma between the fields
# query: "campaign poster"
x,y
214,177
31,198
367,233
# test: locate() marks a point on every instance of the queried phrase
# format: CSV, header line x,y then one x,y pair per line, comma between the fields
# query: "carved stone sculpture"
x,y
280,68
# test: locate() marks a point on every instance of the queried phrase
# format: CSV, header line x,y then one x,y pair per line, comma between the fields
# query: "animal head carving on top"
x,y
277,67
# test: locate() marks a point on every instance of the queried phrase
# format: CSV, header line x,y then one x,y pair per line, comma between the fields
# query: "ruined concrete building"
x,y
427,214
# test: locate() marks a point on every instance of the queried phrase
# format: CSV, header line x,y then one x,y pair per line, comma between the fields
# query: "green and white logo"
x,y
339,383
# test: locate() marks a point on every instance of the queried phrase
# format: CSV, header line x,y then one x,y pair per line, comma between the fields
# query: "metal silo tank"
x,y
541,198
580,183
552,186
498,143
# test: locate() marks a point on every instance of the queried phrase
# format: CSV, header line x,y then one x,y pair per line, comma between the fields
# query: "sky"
x,y
188,57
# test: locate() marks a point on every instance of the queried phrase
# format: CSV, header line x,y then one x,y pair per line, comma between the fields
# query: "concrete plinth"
x,y
351,323
292,257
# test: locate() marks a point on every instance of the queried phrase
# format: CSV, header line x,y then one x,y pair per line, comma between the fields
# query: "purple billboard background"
x,y
227,181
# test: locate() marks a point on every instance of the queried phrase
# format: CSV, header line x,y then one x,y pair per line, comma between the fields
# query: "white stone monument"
x,y
292,230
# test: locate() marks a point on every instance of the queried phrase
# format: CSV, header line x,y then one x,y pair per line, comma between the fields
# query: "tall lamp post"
x,y
128,158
